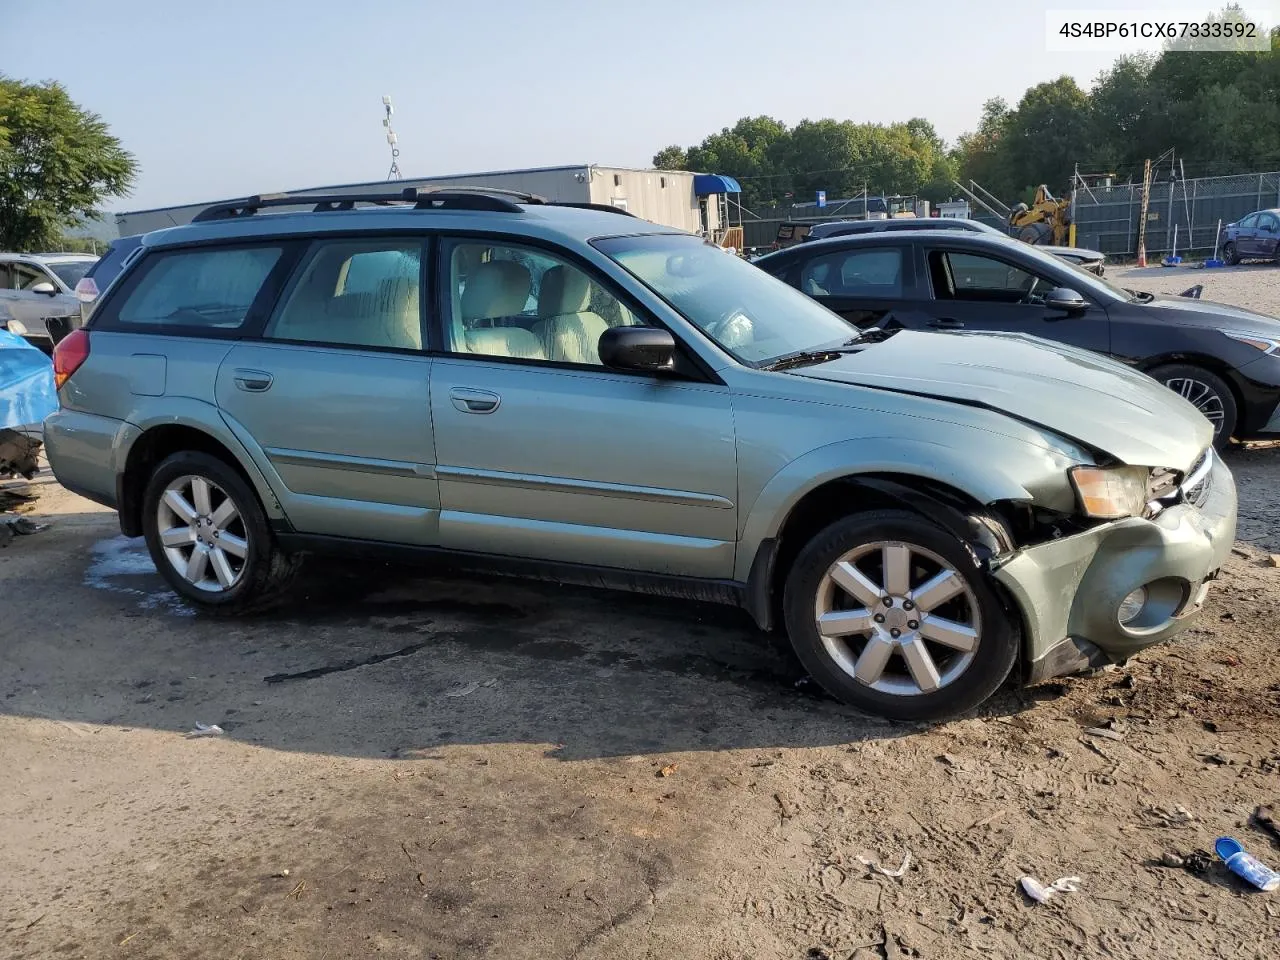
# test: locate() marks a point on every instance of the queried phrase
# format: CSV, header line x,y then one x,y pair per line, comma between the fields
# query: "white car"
x,y
35,287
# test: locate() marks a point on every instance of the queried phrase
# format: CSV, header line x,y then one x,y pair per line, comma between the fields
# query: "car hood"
x,y
1079,395
1206,313
1073,252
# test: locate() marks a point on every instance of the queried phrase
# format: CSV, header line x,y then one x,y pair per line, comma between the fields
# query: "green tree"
x,y
671,158
58,162
983,154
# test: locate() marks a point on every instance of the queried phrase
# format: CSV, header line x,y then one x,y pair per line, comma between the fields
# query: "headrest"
x,y
564,290
499,288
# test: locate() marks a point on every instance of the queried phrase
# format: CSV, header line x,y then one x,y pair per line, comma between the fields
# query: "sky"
x,y
232,97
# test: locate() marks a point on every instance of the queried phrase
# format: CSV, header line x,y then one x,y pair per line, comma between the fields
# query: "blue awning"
x,y
705,183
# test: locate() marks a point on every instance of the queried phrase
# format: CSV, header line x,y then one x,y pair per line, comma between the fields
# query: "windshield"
x,y
70,271
747,312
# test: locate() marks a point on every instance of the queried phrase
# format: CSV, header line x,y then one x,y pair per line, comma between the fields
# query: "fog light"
x,y
1132,605
17,328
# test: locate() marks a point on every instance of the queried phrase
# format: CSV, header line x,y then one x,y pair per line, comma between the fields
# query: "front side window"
x,y
854,273
363,293
1248,222
969,276
752,315
521,302
25,277
203,288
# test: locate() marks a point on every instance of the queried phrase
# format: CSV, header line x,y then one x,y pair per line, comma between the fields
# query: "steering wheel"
x,y
734,329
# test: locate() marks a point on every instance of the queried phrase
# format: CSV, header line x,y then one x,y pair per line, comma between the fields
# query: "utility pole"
x,y
1142,214
394,172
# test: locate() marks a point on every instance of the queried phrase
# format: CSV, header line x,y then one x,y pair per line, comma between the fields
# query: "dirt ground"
x,y
417,765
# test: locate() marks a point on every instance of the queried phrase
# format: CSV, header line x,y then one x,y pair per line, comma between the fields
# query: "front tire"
x,y
209,538
892,615
1210,394
1229,255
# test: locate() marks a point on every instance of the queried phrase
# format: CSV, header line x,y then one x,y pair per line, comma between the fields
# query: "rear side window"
x,y
854,273
209,289
363,293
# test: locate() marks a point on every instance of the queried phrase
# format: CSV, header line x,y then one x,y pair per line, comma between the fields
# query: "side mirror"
x,y
45,287
637,348
1066,299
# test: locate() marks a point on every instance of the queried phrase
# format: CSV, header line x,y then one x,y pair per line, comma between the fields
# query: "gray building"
x,y
696,202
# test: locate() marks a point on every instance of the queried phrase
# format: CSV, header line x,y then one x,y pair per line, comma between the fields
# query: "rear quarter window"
x,y
198,290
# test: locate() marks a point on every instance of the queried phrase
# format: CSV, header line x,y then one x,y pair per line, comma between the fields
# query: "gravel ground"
x,y
1254,286
419,765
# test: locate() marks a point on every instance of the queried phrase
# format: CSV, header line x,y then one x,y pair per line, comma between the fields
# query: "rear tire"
x,y
1208,392
209,537
1229,255
892,615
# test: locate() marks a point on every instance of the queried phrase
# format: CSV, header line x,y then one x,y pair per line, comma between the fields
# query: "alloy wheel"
x,y
1204,397
898,618
202,533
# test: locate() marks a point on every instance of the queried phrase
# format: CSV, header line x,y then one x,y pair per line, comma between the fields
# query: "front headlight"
x,y
1265,344
1111,492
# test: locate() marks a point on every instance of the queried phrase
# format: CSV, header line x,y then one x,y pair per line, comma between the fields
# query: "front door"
x,y
1266,241
336,394
978,291
27,306
545,453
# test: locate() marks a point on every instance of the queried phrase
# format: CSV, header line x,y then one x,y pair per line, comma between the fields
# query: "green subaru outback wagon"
x,y
568,392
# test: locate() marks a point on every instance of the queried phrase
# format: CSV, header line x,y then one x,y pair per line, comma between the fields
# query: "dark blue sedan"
x,y
1255,237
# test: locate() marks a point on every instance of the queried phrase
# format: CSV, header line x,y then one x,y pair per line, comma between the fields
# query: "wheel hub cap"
x,y
898,618
202,533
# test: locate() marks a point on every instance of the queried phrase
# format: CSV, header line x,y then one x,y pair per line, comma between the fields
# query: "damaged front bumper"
x,y
1070,590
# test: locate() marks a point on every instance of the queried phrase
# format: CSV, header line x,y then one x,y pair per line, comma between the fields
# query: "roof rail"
x,y
422,198
602,207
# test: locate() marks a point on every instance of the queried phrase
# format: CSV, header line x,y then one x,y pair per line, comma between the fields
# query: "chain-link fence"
x,y
1108,218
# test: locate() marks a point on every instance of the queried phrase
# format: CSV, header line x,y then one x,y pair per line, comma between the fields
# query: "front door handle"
x,y
947,323
253,381
469,400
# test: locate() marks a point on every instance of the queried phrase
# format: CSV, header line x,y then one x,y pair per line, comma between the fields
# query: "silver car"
x,y
35,287
545,390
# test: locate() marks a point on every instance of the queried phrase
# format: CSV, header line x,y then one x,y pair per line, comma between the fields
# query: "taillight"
x,y
70,353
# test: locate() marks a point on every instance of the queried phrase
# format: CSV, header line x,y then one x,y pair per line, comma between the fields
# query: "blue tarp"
x,y
27,394
705,183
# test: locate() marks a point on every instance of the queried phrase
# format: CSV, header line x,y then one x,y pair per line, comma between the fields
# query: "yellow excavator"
x,y
1047,222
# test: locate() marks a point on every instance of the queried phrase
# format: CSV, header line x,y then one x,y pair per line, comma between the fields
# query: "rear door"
x,y
336,396
978,290
1247,236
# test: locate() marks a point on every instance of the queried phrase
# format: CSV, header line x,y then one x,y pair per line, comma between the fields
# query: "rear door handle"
x,y
253,381
469,400
947,323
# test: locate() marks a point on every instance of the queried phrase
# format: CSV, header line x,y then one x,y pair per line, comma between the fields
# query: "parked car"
x,y
578,394
90,286
37,286
1223,359
1090,260
1255,237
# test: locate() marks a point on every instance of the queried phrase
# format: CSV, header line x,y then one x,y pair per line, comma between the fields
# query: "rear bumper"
x,y
1069,590
87,452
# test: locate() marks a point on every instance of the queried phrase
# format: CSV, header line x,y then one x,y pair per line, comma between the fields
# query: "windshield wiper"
x,y
805,357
